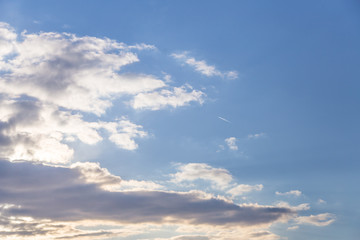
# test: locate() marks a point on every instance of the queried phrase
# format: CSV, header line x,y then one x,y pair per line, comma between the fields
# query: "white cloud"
x,y
178,96
300,207
241,189
30,130
220,177
48,80
224,119
319,220
231,142
293,228
7,46
296,193
202,67
79,73
91,172
136,185
123,133
256,135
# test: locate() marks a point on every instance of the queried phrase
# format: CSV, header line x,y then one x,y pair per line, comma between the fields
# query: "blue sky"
x,y
179,120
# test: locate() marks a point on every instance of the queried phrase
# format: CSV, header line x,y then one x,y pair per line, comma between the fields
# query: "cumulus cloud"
x,y
80,73
202,67
178,96
31,130
49,81
7,38
91,172
219,177
231,143
296,193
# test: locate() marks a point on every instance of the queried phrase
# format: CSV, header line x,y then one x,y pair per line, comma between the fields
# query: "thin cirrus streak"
x,y
224,119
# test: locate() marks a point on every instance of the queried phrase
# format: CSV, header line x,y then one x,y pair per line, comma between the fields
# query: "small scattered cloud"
x,y
295,193
202,67
167,77
300,207
231,143
256,135
220,177
176,97
320,220
241,189
321,201
293,228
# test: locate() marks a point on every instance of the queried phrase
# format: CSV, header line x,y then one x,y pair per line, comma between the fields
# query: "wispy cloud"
x,y
256,135
241,189
202,67
320,220
296,193
178,96
224,119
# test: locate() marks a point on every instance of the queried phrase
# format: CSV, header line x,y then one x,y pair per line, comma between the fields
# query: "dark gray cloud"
x,y
60,194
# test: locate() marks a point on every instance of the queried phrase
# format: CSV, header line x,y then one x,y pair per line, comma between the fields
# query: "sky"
x,y
180,120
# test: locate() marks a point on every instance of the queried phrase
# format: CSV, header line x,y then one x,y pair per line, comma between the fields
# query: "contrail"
x,y
224,119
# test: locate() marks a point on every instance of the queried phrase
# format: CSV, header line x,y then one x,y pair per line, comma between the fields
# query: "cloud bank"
x,y
77,194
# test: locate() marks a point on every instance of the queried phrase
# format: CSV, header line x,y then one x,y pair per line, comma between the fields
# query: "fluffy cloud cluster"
x,y
48,80
219,178
31,130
